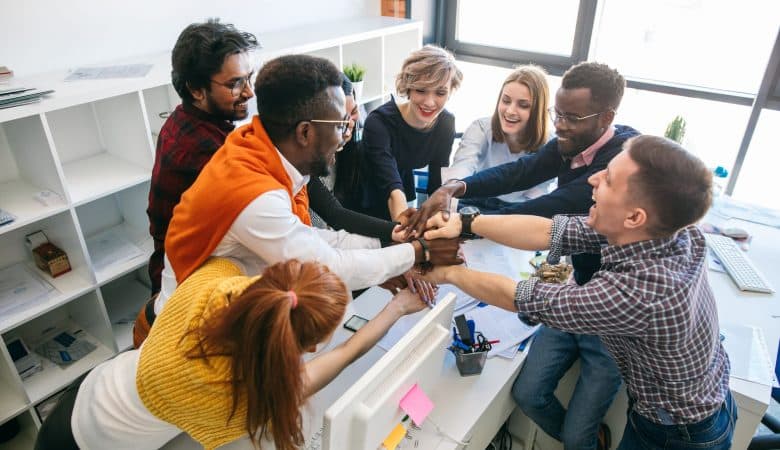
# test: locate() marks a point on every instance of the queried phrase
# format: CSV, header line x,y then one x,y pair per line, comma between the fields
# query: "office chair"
x,y
421,176
770,441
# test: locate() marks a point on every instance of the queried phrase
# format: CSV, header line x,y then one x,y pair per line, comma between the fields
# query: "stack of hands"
x,y
436,241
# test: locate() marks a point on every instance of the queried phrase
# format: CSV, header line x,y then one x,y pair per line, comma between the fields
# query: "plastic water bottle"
x,y
719,176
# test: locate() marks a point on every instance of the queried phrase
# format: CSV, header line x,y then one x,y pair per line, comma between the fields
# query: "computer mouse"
x,y
735,233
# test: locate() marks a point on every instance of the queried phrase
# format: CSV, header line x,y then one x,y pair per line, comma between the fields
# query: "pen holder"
x,y
470,363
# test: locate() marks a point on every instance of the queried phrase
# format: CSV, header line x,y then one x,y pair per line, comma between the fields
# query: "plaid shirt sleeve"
x,y
602,306
570,235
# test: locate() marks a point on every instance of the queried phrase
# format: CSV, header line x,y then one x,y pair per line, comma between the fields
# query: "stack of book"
x,y
15,96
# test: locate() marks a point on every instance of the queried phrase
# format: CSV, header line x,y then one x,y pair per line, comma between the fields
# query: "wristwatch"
x,y
467,215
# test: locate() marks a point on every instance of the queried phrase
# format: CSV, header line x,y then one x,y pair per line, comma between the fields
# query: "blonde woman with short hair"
x,y
401,137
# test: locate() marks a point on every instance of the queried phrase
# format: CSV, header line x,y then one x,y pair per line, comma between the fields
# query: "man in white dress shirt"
x,y
250,203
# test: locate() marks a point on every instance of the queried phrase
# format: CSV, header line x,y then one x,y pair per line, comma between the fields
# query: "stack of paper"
x,y
15,96
498,324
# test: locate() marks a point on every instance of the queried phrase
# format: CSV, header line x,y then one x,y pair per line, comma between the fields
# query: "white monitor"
x,y
368,411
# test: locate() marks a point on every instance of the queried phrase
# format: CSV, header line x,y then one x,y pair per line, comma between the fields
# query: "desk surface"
x,y
749,308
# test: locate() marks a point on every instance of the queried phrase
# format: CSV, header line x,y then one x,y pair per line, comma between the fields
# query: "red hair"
x,y
267,337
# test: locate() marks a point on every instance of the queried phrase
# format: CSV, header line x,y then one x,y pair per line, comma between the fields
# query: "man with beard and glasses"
x,y
211,73
586,141
250,203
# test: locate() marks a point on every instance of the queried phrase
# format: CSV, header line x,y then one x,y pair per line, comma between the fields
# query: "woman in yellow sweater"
x,y
223,361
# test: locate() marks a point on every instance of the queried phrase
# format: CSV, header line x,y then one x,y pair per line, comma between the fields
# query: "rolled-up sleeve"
x,y
271,231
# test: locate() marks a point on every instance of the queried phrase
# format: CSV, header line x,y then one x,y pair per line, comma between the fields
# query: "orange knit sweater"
x,y
245,167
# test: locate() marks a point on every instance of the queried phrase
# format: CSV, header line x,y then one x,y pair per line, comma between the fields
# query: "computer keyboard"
x,y
737,264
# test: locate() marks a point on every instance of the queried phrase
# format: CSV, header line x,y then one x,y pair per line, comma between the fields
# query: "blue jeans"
x,y
714,433
552,354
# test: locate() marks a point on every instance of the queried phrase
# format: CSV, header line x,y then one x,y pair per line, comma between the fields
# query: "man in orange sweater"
x,y
250,203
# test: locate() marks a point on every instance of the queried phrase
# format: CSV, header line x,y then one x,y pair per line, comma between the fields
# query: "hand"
x,y
425,290
407,302
438,202
439,227
437,275
445,252
395,284
400,232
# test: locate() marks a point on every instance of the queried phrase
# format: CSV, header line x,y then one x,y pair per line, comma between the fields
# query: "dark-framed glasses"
x,y
571,119
344,126
236,85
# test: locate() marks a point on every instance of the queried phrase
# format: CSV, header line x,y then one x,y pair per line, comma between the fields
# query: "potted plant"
x,y
355,72
676,130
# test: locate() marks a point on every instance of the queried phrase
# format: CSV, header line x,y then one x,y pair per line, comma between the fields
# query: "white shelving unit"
x,y
77,166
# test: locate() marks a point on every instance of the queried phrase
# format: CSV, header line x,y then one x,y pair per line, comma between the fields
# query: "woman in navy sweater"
x,y
399,138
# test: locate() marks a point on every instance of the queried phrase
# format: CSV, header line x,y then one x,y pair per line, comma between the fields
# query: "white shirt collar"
x,y
298,180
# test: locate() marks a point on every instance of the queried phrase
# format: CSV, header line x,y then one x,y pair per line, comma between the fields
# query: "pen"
x,y
494,341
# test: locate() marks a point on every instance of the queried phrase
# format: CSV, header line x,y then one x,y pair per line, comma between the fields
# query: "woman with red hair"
x,y
223,361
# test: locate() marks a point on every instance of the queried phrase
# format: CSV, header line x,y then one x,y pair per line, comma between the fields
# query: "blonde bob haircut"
x,y
538,127
428,67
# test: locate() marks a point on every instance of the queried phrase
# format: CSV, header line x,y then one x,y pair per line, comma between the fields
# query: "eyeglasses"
x,y
236,85
344,126
571,119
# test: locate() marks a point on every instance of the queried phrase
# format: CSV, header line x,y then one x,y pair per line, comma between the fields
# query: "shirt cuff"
x,y
557,229
524,294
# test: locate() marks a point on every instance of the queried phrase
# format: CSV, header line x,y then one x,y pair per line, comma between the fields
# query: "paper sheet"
x,y
19,286
101,73
486,256
499,324
110,247
748,355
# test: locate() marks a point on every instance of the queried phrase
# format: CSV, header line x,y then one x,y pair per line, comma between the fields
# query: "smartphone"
x,y
355,322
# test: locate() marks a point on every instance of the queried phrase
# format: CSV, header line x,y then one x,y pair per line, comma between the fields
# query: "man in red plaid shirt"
x,y
211,73
650,302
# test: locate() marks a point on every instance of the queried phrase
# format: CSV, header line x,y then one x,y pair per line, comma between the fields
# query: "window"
x,y
519,24
713,44
714,62
756,182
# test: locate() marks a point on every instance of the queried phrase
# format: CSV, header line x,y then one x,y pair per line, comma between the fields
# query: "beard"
x,y
320,167
231,115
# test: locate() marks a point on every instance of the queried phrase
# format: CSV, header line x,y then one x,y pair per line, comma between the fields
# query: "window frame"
x,y
767,97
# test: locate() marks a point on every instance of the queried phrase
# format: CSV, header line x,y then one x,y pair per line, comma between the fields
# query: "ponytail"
x,y
266,329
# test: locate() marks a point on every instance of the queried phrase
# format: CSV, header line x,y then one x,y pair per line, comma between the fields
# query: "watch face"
x,y
469,210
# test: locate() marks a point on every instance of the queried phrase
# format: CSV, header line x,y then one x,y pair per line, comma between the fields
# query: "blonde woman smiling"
x,y
399,138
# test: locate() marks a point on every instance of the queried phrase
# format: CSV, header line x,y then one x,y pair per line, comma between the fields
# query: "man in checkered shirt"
x,y
650,302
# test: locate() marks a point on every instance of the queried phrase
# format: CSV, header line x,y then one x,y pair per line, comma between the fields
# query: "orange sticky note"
x,y
395,436
416,404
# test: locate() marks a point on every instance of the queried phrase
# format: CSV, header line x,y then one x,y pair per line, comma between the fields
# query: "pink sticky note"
x,y
416,404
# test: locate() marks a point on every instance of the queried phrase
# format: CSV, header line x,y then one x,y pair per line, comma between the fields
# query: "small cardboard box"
x,y
51,259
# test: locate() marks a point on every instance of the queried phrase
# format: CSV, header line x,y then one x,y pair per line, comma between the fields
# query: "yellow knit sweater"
x,y
195,395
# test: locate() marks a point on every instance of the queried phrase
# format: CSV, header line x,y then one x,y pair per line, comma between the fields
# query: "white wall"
x,y
42,35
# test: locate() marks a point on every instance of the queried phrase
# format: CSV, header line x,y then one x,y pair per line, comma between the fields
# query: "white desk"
x,y
752,309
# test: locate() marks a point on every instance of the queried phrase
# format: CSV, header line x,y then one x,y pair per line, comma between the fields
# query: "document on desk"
x,y
748,354
502,325
486,256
